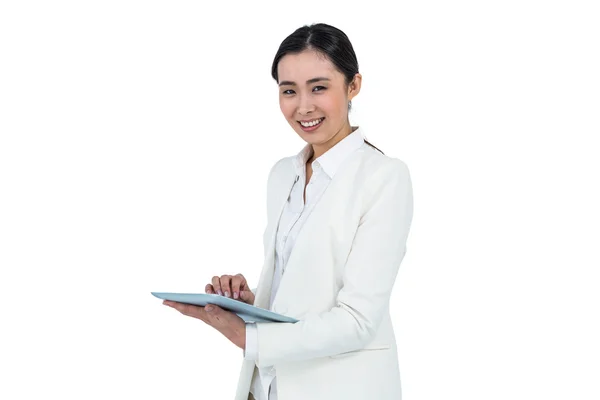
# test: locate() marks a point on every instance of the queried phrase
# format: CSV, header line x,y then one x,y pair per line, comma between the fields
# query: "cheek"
x,y
287,107
332,103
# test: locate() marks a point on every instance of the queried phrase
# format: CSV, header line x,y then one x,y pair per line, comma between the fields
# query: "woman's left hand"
x,y
226,322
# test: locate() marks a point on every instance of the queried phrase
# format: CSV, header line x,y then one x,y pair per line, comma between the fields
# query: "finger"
x,y
247,297
245,286
237,284
226,285
216,282
209,289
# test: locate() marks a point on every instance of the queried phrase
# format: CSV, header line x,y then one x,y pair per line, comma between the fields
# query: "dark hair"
x,y
326,40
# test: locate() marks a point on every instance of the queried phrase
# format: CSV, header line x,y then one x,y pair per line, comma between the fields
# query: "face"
x,y
312,90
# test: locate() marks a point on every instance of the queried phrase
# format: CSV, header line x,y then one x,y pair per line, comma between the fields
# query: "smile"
x,y
311,125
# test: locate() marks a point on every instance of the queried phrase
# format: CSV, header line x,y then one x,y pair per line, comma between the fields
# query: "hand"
x,y
231,286
226,322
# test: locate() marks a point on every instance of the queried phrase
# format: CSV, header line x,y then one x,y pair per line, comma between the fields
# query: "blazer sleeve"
x,y
377,251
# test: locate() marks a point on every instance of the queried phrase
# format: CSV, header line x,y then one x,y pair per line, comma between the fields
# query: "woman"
x,y
339,215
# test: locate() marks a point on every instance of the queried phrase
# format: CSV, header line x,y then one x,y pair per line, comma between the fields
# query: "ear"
x,y
354,86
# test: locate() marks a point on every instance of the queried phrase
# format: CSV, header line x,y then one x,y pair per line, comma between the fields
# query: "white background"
x,y
136,139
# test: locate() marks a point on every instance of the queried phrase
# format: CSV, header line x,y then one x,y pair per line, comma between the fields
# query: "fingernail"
x,y
220,292
208,308
235,295
227,294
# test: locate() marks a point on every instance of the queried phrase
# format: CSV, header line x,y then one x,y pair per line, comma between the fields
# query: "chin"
x,y
311,139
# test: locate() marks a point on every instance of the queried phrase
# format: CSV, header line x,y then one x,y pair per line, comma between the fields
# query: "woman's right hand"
x,y
232,286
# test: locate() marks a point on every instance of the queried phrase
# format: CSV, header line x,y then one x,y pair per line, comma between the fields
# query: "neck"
x,y
320,149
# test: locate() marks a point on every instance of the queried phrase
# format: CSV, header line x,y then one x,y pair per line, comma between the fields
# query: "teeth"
x,y
313,123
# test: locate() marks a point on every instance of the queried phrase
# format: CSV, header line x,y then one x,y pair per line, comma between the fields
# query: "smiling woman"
x,y
345,209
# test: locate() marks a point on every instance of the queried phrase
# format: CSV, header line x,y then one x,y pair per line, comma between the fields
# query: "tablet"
x,y
245,311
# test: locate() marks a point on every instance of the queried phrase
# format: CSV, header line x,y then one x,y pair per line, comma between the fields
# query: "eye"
x,y
289,91
319,87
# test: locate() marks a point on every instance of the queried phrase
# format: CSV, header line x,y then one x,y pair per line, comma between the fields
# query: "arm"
x,y
370,271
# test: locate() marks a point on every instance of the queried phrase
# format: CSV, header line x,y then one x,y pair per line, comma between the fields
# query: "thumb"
x,y
247,296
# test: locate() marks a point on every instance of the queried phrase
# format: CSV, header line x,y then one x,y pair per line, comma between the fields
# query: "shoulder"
x,y
378,168
383,181
284,163
282,168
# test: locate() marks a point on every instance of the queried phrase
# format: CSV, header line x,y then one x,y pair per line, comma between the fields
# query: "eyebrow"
x,y
308,82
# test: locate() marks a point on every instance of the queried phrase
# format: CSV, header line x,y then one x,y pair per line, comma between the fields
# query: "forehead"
x,y
303,66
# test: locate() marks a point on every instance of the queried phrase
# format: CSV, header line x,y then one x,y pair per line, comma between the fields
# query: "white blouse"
x,y
295,213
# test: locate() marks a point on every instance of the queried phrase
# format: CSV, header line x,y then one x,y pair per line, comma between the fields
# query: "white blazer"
x,y
337,283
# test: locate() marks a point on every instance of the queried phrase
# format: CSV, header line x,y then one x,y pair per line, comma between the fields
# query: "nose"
x,y
305,105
